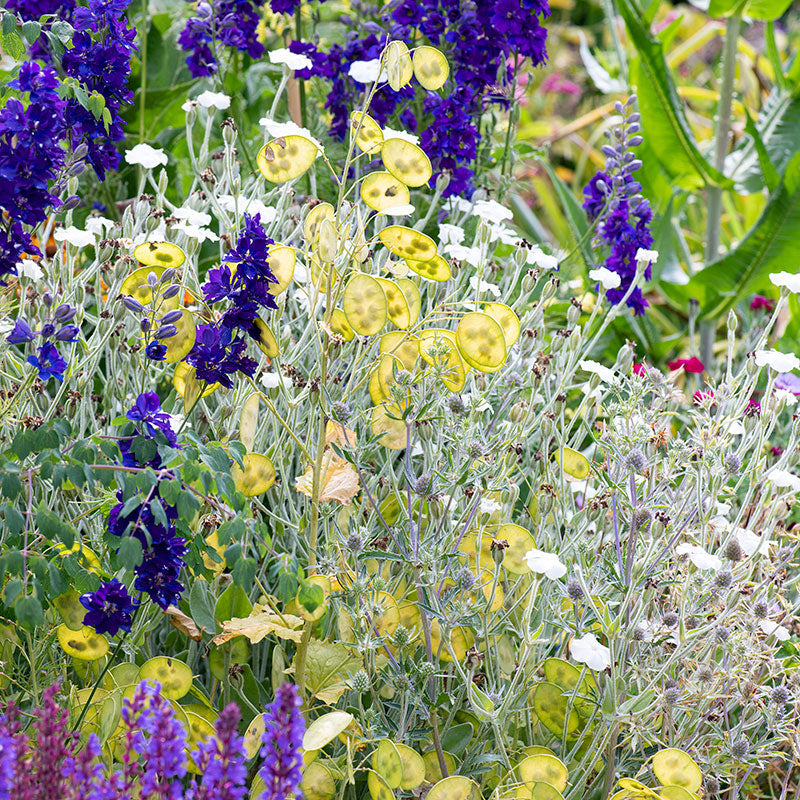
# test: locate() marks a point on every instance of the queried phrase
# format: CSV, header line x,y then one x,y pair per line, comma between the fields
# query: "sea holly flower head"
x,y
109,609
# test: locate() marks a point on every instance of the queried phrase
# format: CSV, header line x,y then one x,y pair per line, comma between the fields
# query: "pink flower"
x,y
702,396
640,369
758,303
556,83
692,365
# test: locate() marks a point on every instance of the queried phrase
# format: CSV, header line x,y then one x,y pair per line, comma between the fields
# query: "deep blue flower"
x,y
109,609
20,333
157,575
49,363
67,333
14,243
152,420
251,257
217,355
155,351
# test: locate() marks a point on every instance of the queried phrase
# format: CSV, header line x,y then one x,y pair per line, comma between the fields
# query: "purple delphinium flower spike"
x,y
221,761
282,745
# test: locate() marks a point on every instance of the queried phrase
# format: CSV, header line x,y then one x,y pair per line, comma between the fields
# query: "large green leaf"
x,y
770,245
755,9
664,123
779,128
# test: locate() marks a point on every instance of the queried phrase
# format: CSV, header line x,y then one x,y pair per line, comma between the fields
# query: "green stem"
x,y
143,82
721,143
111,659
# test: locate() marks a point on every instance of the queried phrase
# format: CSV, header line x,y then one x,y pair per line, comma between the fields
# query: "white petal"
x,y
544,563
781,362
783,479
292,60
788,279
606,375
770,627
450,234
646,255
146,156
605,277
74,236
366,71
399,211
587,650
214,100
541,259
192,216
491,211
391,133
30,269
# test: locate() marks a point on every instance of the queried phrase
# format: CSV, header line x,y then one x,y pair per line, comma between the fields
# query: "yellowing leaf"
x,y
325,729
328,667
183,623
334,432
260,624
339,480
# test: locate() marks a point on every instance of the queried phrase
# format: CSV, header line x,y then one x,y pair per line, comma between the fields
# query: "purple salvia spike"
x,y
282,745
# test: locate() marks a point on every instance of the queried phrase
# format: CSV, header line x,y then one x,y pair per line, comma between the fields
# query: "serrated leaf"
x,y
328,667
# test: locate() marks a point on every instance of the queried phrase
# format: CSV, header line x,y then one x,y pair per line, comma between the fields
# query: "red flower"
x,y
640,369
700,397
693,365
758,302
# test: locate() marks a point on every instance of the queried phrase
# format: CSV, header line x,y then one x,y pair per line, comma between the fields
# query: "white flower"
x,y
272,380
491,211
547,563
472,255
30,269
489,506
477,285
769,627
780,362
541,259
783,479
450,234
605,277
391,133
366,71
278,129
292,60
504,234
699,557
788,279
75,236
398,211
99,225
146,156
751,542
587,650
723,509
214,100
735,428
252,207
646,255
788,398
606,374
196,232
192,216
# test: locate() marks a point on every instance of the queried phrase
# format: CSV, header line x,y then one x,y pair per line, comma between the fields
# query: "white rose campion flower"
x,y
391,133
751,542
278,129
783,479
491,211
450,234
192,216
606,375
252,207
647,255
780,362
366,71
145,156
769,627
196,232
75,236
99,225
548,564
484,286
398,211
699,557
789,280
214,100
587,650
292,60
28,268
539,258
605,277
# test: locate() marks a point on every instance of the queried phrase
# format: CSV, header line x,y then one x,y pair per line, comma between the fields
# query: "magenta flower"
x,y
691,365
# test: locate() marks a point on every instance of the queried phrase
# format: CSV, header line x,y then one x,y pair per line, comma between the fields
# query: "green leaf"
x,y
200,606
31,31
576,216
129,554
664,123
233,602
771,177
778,128
310,596
9,23
14,521
29,612
328,667
97,104
244,572
767,9
12,45
768,246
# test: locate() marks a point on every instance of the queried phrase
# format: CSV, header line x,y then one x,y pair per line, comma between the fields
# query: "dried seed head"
x,y
732,463
672,695
574,589
723,579
733,551
670,619
456,404
760,609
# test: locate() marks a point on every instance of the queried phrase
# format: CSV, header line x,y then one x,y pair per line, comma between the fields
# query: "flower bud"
x,y
170,291
229,135
64,312
518,411
171,317
624,361
145,325
549,289
133,304
165,331
442,181
70,203
67,333
573,313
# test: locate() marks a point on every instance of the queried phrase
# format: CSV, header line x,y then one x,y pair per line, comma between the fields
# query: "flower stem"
x,y
111,659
